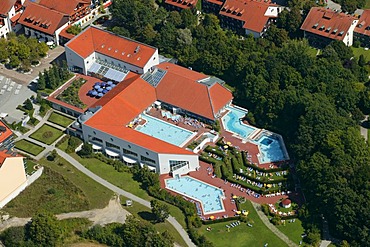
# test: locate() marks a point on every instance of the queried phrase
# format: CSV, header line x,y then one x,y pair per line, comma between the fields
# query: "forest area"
x,y
315,102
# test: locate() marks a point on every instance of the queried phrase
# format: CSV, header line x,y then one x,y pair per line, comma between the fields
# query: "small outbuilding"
x,y
286,203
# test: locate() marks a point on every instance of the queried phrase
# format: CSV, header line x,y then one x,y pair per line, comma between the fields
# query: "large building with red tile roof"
x,y
6,136
13,178
10,11
362,30
248,16
322,26
180,4
42,22
95,49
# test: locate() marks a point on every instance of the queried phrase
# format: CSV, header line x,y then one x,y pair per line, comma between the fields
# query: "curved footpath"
x,y
119,191
270,226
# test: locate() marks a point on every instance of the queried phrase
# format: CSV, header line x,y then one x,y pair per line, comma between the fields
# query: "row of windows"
x,y
143,158
177,164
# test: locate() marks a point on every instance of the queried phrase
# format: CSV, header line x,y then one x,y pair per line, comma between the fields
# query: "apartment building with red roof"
x,y
180,4
6,136
13,179
102,53
322,26
10,11
43,23
212,6
362,30
248,16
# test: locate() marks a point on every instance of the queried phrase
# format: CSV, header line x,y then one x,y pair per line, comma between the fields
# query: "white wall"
x,y
57,32
154,60
89,61
348,39
73,59
164,160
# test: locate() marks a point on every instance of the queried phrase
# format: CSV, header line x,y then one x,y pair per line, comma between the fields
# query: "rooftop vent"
x,y
335,30
322,27
341,33
137,49
2,129
316,25
328,29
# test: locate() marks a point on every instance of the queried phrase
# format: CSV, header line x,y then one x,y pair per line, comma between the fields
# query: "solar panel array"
x,y
154,77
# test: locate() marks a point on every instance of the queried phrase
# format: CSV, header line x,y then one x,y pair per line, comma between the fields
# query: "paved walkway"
x,y
270,226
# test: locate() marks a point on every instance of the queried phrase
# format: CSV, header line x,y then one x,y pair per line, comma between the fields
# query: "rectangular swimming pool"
x,y
271,149
208,195
232,123
164,131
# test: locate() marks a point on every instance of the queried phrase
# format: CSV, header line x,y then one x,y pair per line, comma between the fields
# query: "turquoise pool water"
x,y
232,123
208,195
271,149
164,131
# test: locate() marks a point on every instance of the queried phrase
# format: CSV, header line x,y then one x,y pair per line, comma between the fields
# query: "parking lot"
x,y
13,94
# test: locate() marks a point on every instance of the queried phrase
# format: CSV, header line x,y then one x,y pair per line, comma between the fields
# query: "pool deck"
x,y
203,175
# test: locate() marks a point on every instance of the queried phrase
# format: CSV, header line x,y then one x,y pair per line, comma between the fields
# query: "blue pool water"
x,y
271,149
164,131
207,195
232,123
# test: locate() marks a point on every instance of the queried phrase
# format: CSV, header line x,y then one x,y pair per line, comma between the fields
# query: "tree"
x,y
13,236
41,83
14,61
86,150
362,60
28,104
160,210
44,230
74,29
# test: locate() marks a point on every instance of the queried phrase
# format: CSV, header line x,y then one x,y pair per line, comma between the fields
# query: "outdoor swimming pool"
x,y
232,123
164,131
271,149
208,195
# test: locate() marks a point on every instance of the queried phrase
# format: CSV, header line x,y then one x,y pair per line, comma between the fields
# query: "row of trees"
x,y
54,76
22,52
315,102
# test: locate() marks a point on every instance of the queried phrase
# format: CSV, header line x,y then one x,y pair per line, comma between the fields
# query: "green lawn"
x,y
63,144
97,195
30,164
242,235
292,230
47,134
59,119
358,51
144,213
124,181
51,192
29,147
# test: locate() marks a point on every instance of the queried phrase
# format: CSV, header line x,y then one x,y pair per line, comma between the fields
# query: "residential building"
x,y
322,26
212,6
13,178
10,11
248,16
43,23
362,30
107,55
6,137
180,4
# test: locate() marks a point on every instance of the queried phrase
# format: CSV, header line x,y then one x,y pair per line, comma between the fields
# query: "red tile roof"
x,y
327,23
180,87
363,25
112,45
218,2
123,108
5,6
184,4
66,35
5,135
16,17
252,13
41,15
64,6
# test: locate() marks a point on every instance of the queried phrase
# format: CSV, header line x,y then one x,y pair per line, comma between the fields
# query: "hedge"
x,y
208,222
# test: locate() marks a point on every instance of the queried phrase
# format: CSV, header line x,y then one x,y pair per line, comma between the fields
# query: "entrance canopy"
x,y
97,147
128,160
111,153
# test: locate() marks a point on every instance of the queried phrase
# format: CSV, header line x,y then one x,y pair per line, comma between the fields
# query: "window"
x,y
97,140
111,145
94,132
177,164
111,139
147,153
143,158
125,151
129,146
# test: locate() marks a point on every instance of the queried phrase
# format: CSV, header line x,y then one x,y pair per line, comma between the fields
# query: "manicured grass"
x,y
47,134
292,230
124,181
63,144
30,164
144,213
59,119
361,51
97,195
29,147
242,235
51,192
